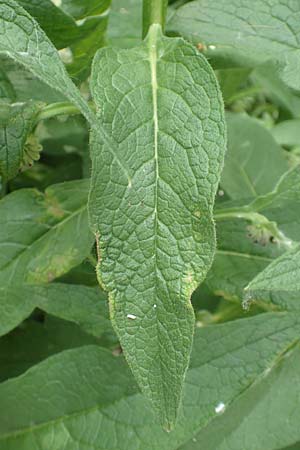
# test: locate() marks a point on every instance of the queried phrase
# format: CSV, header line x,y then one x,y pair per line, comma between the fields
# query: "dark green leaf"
x,y
35,340
257,416
239,258
83,305
95,404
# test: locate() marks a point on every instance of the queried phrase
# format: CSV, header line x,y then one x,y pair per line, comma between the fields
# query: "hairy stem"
x,y
58,109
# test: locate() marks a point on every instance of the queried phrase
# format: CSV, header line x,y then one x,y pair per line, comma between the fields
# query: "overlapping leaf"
x,y
279,283
83,305
245,33
106,410
22,39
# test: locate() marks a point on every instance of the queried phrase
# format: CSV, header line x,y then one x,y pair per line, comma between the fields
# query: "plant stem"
x,y
58,109
154,11
257,219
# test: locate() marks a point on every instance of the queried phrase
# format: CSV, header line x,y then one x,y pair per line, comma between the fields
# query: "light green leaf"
x,y
161,105
268,79
255,420
245,33
254,161
43,236
287,133
279,283
107,412
83,305
231,81
16,124
22,39
125,24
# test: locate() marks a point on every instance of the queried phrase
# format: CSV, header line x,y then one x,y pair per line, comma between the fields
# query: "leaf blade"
x,y
149,203
23,40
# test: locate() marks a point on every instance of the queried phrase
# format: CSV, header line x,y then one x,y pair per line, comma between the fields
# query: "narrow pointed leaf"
x,y
22,39
151,200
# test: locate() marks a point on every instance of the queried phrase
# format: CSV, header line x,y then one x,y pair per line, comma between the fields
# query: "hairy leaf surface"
x,y
22,39
245,33
106,411
152,194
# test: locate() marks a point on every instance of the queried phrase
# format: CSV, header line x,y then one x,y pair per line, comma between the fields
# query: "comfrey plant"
x,y
113,172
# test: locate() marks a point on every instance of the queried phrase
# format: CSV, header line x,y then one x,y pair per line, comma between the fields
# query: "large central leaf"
x,y
152,193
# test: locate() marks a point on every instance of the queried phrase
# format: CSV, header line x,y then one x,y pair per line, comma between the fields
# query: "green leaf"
x,y
83,37
35,340
283,204
125,24
245,33
43,236
80,9
279,283
16,124
239,258
60,28
254,161
107,412
83,305
287,132
161,105
7,92
267,78
256,418
22,39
